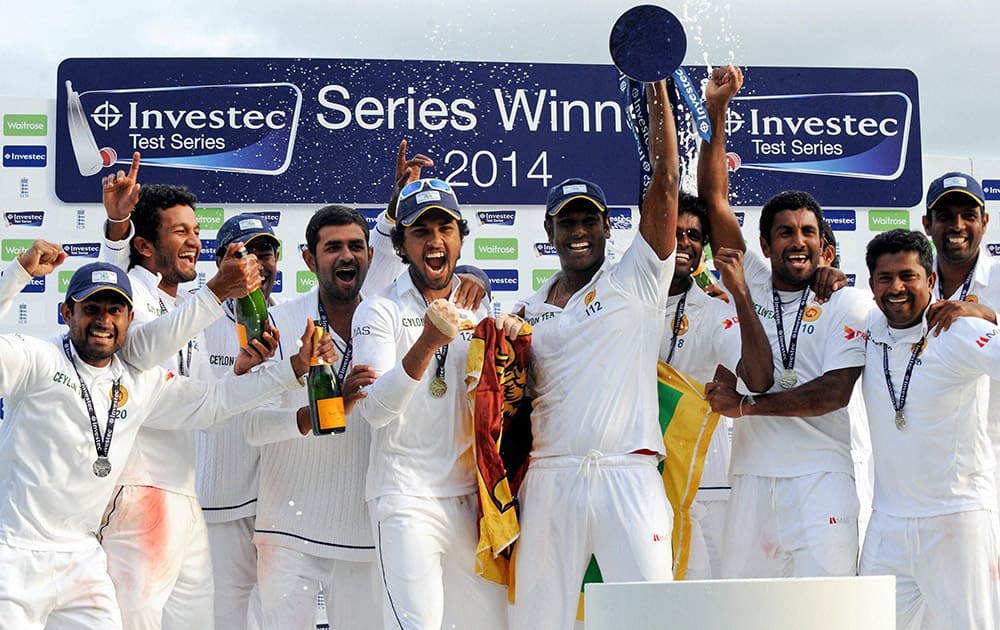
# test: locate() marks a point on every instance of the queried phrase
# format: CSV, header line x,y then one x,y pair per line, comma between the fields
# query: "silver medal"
x,y
102,467
438,387
788,378
900,420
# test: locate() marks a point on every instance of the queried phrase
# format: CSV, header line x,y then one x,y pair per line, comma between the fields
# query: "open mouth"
x,y
682,258
103,335
578,248
346,274
435,261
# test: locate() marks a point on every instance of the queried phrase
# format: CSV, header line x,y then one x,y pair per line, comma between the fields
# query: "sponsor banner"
x,y
852,279
207,250
620,218
304,281
63,280
495,248
371,215
82,250
11,248
273,217
496,217
993,248
35,285
539,276
545,249
991,189
740,217
210,218
278,283
885,220
503,279
24,156
841,220
25,124
32,218
316,130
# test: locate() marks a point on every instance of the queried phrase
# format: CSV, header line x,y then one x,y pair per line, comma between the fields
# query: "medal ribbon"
x,y
898,404
102,444
788,356
183,364
346,353
678,316
965,286
441,353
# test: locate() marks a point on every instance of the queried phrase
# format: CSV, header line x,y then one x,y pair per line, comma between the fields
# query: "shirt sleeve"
x,y
157,340
375,344
182,403
268,425
14,279
971,346
845,347
641,273
116,252
386,264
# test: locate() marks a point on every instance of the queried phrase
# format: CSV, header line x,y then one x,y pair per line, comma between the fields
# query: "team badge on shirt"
x,y
923,344
972,298
122,395
684,324
587,299
812,313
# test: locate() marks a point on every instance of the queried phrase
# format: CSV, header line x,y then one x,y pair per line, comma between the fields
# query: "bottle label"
x,y
331,413
241,333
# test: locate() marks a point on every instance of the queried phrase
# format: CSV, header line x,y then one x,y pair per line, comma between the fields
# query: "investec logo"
x,y
503,279
242,128
496,217
885,220
863,134
991,189
620,218
842,220
82,250
496,249
27,218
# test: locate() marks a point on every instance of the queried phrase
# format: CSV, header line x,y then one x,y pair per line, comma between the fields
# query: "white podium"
x,y
847,603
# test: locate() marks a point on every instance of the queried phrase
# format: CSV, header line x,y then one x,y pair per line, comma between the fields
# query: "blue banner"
x,y
326,130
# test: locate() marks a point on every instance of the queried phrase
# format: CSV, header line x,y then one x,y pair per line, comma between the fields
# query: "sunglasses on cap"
x,y
414,187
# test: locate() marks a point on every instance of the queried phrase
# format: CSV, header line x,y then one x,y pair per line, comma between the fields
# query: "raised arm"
x,y
755,366
658,219
120,194
713,171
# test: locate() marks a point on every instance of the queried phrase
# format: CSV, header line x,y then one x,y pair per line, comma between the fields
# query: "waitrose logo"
x,y
304,281
25,124
210,218
63,280
885,220
11,248
539,276
496,249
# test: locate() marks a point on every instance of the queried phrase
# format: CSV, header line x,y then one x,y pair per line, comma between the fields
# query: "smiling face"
x,y
689,249
175,252
902,287
579,233
794,249
956,224
266,252
340,262
97,326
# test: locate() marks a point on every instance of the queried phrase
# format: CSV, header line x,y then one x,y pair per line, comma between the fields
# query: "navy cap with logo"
x,y
572,190
98,276
954,182
244,228
422,195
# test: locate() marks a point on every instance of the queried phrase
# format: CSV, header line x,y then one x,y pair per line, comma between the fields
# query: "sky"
x,y
953,48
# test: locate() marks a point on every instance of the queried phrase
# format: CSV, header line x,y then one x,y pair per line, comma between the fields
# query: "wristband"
x,y
125,220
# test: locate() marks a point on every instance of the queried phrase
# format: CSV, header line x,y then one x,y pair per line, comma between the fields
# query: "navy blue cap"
x,y
98,276
954,182
422,195
571,190
243,227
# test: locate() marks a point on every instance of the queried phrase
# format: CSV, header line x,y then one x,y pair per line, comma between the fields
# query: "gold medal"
x,y
438,387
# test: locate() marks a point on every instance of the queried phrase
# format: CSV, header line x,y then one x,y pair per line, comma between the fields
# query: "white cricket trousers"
x,y
56,590
613,507
947,568
234,572
426,549
791,527
290,580
158,558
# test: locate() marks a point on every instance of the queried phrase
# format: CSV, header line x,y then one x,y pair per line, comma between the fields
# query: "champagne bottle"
x,y
326,403
251,312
